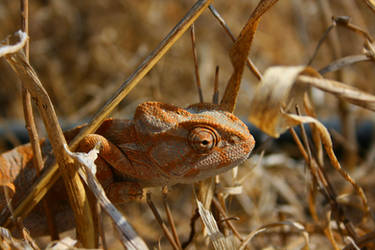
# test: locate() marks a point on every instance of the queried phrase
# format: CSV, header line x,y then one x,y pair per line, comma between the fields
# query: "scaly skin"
x,y
162,145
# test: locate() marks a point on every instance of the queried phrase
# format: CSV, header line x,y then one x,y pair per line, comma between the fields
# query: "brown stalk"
x,y
223,24
363,240
309,109
370,4
170,217
31,127
320,43
328,232
344,91
239,52
128,237
346,116
215,96
227,219
319,175
345,22
193,219
336,207
101,227
75,188
343,62
26,235
161,223
196,67
51,175
304,138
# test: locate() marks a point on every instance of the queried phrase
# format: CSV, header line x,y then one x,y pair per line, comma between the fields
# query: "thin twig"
x,y
161,222
304,138
30,124
170,217
193,219
215,96
249,63
196,67
74,186
228,222
101,227
321,40
345,22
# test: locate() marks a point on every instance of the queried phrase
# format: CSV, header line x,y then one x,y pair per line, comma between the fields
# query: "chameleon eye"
x,y
202,140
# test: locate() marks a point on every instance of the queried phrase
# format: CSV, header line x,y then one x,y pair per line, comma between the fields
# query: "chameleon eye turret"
x,y
202,139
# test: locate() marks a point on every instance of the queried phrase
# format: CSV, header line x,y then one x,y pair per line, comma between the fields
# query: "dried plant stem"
x,y
227,220
128,237
328,232
249,63
30,124
320,176
347,121
170,217
51,175
196,67
367,238
371,4
193,219
346,23
239,52
215,97
75,188
161,222
342,90
101,228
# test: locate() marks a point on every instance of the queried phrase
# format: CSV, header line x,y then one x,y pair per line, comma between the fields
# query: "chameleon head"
x,y
191,144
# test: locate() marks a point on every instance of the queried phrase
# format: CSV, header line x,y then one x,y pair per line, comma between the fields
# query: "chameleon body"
x,y
162,145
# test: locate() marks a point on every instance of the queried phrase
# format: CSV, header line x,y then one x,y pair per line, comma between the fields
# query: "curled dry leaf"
x,y
327,143
14,43
264,228
283,88
276,92
348,93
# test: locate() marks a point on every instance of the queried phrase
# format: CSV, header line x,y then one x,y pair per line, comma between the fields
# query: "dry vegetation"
x,y
83,50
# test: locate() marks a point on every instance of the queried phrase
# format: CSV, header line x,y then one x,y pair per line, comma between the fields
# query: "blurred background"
x,y
84,50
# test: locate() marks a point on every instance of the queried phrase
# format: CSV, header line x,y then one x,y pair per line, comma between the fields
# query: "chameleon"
x,y
162,145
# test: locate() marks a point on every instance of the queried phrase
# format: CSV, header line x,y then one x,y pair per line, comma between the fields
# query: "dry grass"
x,y
83,50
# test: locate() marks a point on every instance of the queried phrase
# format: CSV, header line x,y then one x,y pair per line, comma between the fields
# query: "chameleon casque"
x,y
162,145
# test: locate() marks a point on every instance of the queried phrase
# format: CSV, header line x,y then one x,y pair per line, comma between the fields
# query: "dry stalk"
x,y
87,170
239,52
30,124
163,226
227,220
75,188
170,216
215,96
223,24
370,4
196,66
193,219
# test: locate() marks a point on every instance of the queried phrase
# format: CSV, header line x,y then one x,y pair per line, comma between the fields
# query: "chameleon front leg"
x,y
111,158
